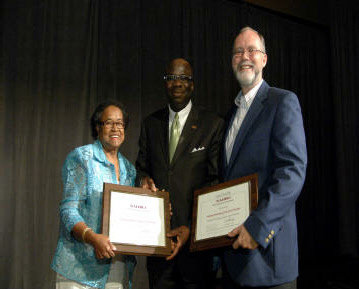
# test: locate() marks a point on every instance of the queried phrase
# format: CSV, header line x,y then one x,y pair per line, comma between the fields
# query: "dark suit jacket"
x,y
271,143
194,164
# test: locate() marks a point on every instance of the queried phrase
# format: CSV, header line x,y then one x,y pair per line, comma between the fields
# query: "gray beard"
x,y
244,80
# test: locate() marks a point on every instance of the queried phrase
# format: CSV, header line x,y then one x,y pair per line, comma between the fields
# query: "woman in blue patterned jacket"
x,y
85,258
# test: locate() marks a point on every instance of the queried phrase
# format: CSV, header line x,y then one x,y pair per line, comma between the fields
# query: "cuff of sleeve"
x,y
70,221
258,231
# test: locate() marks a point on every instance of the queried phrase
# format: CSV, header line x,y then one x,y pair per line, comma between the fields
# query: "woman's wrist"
x,y
85,232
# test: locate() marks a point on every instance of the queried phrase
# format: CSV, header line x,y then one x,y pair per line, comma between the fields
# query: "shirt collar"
x,y
99,154
249,96
182,114
98,151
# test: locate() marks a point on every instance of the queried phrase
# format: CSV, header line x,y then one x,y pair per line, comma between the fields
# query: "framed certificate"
x,y
219,209
136,220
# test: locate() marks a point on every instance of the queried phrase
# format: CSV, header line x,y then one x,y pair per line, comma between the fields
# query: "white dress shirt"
x,y
182,117
243,102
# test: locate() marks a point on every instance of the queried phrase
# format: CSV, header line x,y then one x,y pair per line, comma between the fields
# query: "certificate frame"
x,y
222,240
132,248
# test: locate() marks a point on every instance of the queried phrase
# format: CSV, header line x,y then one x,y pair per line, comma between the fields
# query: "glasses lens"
x,y
110,123
171,77
120,124
185,78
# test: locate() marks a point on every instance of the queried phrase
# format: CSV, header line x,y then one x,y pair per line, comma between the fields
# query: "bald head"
x,y
179,62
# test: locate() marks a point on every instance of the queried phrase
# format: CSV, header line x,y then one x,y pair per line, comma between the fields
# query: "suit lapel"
x,y
251,116
187,134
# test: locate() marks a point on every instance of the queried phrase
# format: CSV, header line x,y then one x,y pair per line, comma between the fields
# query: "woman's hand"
x,y
102,245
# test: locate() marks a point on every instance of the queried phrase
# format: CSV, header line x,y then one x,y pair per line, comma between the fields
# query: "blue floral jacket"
x,y
85,170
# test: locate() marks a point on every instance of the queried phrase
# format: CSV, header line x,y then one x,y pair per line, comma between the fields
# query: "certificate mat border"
x,y
224,240
132,249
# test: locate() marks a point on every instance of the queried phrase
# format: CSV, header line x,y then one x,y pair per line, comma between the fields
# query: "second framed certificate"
x,y
136,220
219,209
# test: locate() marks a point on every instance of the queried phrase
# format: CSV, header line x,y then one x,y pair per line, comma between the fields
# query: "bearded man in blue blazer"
x,y
265,135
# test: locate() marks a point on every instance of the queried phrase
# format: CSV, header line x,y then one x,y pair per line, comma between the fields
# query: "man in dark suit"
x,y
264,135
179,149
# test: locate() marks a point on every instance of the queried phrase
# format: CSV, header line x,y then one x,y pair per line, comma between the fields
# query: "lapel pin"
x,y
194,126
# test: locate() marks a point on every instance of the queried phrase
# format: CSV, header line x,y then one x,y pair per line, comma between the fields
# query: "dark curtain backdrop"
x,y
60,58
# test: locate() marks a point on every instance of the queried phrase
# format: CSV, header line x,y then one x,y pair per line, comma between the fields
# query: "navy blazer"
x,y
271,143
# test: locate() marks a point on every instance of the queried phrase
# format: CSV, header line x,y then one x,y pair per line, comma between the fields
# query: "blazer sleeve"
x,y
214,152
286,173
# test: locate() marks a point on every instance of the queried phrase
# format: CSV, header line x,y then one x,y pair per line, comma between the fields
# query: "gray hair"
x,y
261,38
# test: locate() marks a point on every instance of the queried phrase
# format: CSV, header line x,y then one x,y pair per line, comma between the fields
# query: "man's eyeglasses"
x,y
110,123
250,52
172,77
